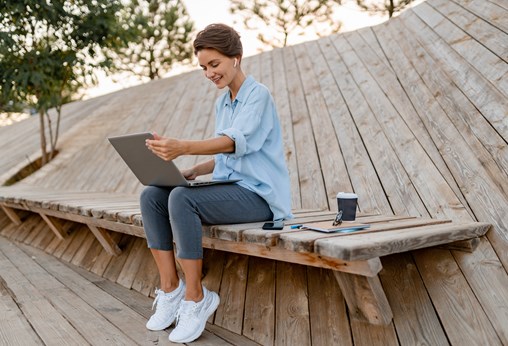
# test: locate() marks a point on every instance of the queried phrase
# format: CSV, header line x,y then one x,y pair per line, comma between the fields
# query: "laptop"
x,y
151,169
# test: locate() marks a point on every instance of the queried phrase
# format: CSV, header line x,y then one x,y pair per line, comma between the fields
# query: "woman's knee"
x,y
179,198
153,196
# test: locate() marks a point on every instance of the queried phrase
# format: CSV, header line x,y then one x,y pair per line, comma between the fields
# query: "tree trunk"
x,y
44,156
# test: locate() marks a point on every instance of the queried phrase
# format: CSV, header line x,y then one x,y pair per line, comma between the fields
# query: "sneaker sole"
x,y
211,309
164,326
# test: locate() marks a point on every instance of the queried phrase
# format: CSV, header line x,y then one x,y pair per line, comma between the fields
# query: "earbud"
x,y
235,62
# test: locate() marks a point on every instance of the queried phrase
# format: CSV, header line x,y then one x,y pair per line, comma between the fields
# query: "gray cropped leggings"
x,y
178,213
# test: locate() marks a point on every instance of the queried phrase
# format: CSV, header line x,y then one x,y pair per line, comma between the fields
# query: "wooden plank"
x,y
116,312
460,312
80,235
414,316
488,280
474,171
116,264
367,334
132,264
57,246
328,149
105,239
362,121
312,189
11,214
365,298
303,241
147,276
48,323
363,246
491,104
14,328
292,326
489,11
259,315
55,226
368,267
110,225
142,305
229,314
327,309
87,244
407,133
483,33
103,259
281,98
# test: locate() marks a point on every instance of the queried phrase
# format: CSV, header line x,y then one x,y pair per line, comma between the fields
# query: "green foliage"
x,y
50,49
160,36
386,7
277,19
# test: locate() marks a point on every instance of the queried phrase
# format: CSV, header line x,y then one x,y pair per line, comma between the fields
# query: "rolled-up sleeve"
x,y
240,142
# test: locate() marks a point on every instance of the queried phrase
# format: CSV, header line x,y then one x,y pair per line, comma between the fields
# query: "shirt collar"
x,y
245,90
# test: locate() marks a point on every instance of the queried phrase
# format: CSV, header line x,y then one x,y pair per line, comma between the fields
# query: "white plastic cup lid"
x,y
347,195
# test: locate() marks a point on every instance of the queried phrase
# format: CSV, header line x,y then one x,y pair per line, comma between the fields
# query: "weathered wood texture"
x,y
412,115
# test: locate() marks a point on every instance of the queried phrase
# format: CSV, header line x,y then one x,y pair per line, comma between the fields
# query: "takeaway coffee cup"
x,y
346,203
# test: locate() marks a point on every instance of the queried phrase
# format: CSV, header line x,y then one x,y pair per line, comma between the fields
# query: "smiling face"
x,y
218,68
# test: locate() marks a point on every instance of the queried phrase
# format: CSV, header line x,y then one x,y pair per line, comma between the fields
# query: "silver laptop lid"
x,y
148,167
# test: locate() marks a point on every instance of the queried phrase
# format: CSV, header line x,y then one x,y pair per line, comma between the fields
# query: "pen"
x,y
296,226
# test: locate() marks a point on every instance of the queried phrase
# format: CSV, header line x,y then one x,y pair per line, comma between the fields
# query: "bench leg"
x,y
105,239
365,298
11,214
55,225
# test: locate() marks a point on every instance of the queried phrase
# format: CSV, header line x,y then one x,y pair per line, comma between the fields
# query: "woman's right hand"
x,y
190,174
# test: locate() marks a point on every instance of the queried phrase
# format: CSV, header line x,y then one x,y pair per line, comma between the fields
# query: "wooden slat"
x,y
463,318
312,190
328,148
281,97
259,316
327,309
413,314
116,312
48,323
230,312
14,328
292,323
486,277
381,244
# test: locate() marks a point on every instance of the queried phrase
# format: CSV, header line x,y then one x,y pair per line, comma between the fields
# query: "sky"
x,y
204,12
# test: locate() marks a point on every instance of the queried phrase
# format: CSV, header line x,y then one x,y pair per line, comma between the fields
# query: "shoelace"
x,y
185,312
158,293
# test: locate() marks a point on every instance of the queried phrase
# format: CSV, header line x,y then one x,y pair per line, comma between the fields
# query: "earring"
x,y
235,62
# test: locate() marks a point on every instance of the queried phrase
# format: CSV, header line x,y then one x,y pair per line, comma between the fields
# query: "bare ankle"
x,y
169,286
194,295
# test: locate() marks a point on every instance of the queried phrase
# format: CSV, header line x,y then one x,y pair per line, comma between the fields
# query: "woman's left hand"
x,y
166,148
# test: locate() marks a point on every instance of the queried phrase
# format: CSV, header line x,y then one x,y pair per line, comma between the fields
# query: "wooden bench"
x,y
354,258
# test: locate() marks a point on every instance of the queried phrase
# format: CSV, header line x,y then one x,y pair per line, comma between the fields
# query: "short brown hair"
x,y
220,37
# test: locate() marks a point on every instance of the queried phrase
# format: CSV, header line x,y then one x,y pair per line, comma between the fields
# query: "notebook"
x,y
151,169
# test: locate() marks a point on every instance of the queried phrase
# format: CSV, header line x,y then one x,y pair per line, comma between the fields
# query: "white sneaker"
x,y
192,317
167,305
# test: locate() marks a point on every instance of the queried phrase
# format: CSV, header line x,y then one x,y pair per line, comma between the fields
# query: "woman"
x,y
248,146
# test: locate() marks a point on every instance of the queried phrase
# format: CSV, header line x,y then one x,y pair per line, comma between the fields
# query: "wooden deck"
x,y
412,115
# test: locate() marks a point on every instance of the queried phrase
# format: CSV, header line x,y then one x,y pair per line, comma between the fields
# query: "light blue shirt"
x,y
251,121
